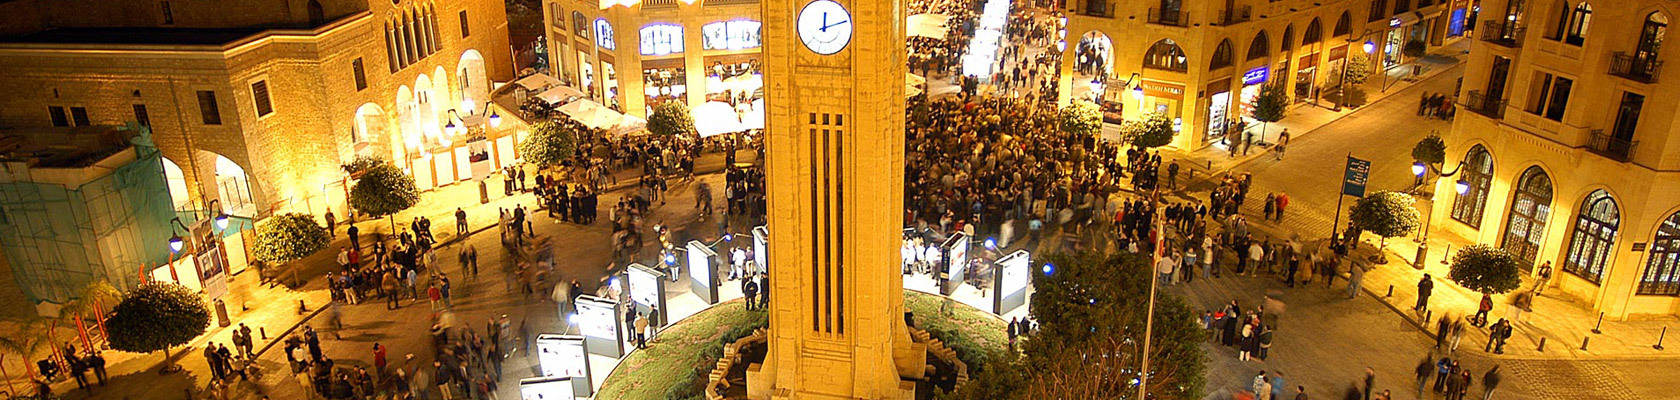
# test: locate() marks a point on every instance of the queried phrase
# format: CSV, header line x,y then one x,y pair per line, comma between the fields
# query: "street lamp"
x,y
176,242
495,119
221,219
1460,186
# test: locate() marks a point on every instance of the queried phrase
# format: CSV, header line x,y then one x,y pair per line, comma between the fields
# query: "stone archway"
x,y
473,81
232,184
176,180
372,124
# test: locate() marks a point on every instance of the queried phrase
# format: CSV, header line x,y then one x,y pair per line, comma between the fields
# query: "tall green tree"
x,y
1153,130
157,316
1387,214
550,143
384,190
1081,118
1094,307
1486,269
670,118
1430,150
1269,106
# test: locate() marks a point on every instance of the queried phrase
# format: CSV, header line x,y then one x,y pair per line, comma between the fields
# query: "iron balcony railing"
x,y
1611,146
1503,34
1642,69
1169,17
1480,103
1235,16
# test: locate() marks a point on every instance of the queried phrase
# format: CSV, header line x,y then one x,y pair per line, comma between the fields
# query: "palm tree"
x,y
90,300
26,343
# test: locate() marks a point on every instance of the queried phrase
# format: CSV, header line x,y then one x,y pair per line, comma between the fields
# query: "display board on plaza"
x,y
546,388
647,289
761,236
597,319
1012,274
702,274
565,356
956,255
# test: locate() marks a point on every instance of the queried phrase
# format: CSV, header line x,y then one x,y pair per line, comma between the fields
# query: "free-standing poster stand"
x,y
565,356
602,330
761,254
1009,281
647,291
956,257
702,274
547,388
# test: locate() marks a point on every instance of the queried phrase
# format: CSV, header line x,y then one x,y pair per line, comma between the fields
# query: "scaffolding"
x,y
66,223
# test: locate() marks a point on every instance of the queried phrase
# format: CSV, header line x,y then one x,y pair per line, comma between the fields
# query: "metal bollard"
x,y
301,308
1584,343
1598,324
1660,337
264,332
1390,291
1542,347
1428,316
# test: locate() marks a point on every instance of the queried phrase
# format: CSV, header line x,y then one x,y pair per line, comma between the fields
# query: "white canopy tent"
x,y
715,118
913,79
926,25
537,82
559,94
628,124
753,118
592,114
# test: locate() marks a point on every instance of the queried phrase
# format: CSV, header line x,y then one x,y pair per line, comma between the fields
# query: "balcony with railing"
x,y
1503,34
1641,69
658,3
1234,16
1610,146
1480,103
1169,17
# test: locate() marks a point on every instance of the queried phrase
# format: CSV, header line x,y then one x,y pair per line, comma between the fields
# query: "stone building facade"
x,y
1567,139
255,102
1202,62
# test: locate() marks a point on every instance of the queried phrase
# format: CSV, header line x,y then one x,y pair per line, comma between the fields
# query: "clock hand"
x,y
842,22
825,22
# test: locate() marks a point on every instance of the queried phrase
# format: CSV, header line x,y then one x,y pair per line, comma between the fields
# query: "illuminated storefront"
x,y
695,53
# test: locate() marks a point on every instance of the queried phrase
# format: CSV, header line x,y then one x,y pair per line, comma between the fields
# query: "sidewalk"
x,y
1303,119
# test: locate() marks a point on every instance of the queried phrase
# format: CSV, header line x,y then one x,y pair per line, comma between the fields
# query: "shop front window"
x,y
731,35
663,84
662,39
735,83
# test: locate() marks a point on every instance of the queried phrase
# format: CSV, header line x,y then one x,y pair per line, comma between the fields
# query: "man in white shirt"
x,y
1255,254
1166,266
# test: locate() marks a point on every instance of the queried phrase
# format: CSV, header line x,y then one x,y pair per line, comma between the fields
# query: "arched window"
x,y
580,24
390,47
1221,55
1260,47
1531,206
1379,10
1662,265
1593,236
1478,171
1166,55
1315,32
317,14
1344,25
1579,20
1288,37
1650,41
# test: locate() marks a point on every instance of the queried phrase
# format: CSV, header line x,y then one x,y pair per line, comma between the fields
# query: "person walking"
x,y
1356,276
1482,310
460,221
1425,286
1282,202
355,236
242,341
1370,381
1424,368
749,290
1014,331
332,225
1490,382
1543,276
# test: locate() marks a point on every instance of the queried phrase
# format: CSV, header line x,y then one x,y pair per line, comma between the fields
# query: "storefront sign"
x,y
1338,53
1257,75
1163,90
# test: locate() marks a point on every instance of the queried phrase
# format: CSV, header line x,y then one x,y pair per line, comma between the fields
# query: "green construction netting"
x,y
59,239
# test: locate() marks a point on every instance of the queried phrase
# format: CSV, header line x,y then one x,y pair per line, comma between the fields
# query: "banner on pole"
x,y
1353,180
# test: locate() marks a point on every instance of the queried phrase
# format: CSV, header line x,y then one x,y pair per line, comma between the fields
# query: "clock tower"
x,y
834,80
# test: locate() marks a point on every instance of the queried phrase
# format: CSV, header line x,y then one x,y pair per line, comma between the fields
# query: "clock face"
x,y
825,26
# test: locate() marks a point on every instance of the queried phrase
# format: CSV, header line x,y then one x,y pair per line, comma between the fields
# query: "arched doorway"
x,y
1531,207
233,187
470,76
176,180
371,125
1093,61
1594,235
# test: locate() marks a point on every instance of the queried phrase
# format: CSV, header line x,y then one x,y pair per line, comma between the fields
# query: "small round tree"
x,y
1082,118
1269,106
670,118
1487,269
549,144
157,316
284,238
1387,214
382,191
1430,150
1154,130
